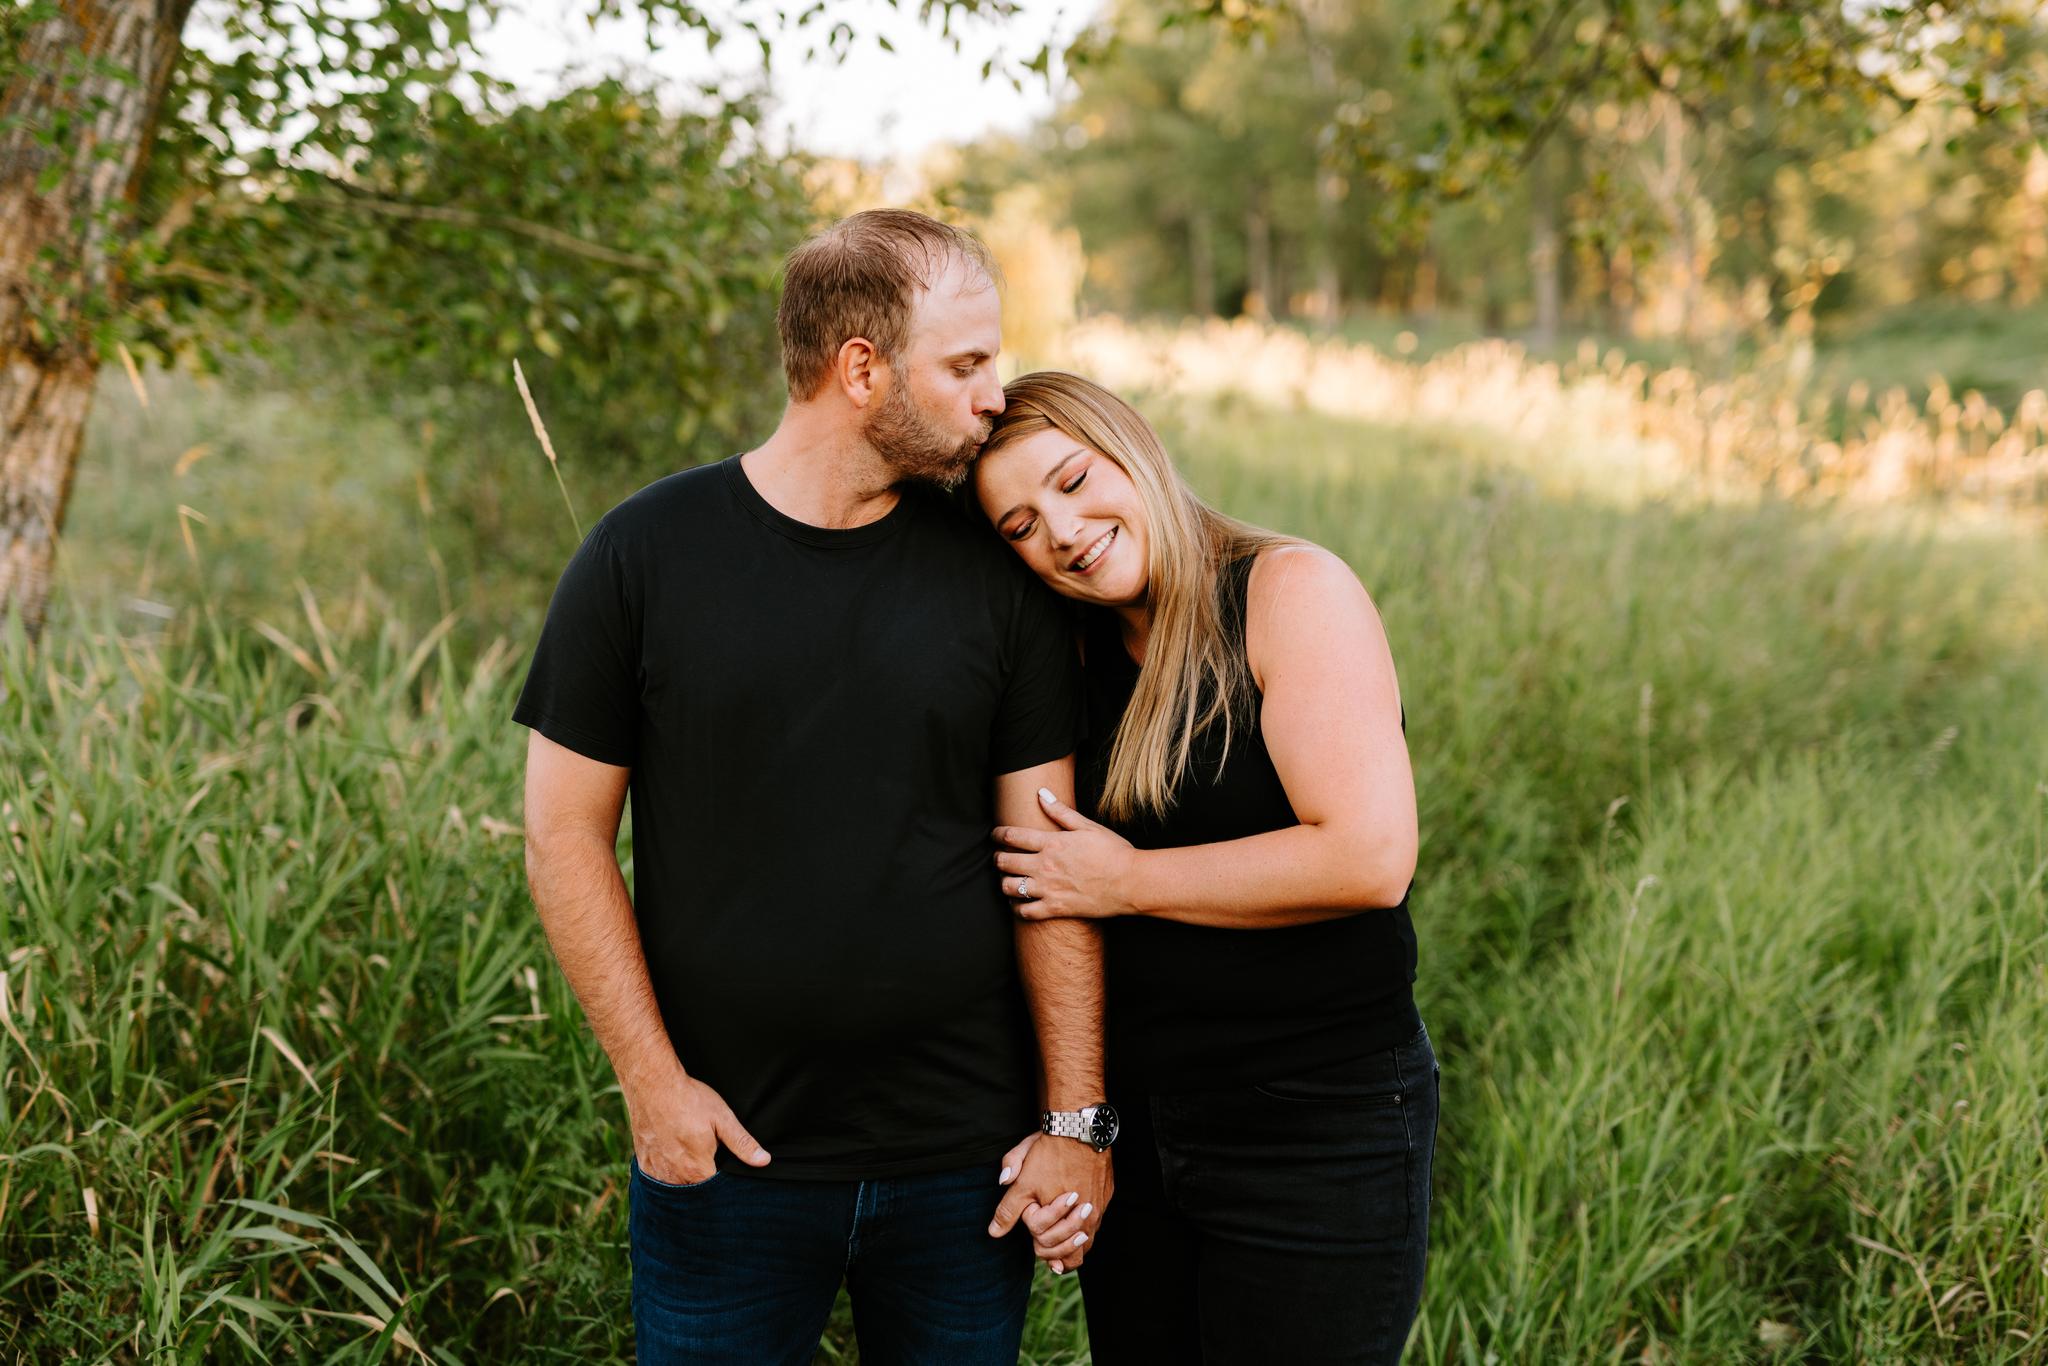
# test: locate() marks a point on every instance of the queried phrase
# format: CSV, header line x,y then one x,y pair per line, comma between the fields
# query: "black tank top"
x,y
1193,1006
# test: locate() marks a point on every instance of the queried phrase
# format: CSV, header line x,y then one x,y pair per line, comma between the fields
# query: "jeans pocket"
x,y
1372,1080
640,1174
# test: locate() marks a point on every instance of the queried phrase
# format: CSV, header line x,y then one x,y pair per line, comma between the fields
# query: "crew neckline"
x,y
783,524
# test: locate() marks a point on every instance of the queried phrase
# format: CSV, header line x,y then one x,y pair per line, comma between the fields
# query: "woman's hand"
x,y
1081,869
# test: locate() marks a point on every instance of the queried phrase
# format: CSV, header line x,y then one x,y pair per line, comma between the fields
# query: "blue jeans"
x,y
744,1269
1282,1222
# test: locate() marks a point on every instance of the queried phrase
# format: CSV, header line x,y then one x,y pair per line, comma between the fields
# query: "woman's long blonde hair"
x,y
1193,677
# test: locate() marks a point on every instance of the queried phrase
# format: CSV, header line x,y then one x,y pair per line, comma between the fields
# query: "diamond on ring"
x,y
1023,888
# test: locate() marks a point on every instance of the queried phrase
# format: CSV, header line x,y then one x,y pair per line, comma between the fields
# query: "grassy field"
x,y
1733,906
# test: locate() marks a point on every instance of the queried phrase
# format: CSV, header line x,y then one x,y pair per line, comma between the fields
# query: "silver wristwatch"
x,y
1095,1125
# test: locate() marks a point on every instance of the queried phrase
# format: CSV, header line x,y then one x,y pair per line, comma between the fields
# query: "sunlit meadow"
x,y
1733,898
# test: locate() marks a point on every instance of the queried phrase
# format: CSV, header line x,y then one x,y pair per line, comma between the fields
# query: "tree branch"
x,y
465,218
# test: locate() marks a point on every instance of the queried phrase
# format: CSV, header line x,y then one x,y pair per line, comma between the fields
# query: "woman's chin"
x,y
1108,593
1067,588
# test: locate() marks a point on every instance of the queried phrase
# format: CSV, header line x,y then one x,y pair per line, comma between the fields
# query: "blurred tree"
x,y
1680,169
1208,170
1745,86
354,162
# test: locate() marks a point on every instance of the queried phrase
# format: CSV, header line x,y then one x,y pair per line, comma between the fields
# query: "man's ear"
x,y
859,370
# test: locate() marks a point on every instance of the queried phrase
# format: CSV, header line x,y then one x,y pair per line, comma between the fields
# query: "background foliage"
x,y
1699,175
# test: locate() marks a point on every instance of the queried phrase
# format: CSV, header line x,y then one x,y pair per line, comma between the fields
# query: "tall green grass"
x,y
1731,905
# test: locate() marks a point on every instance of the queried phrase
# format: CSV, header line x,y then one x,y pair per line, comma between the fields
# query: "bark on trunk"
x,y
66,205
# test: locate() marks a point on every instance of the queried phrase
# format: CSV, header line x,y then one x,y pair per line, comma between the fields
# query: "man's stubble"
x,y
913,446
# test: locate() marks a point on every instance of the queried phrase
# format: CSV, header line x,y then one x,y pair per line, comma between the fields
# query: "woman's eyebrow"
x,y
1054,472
1050,475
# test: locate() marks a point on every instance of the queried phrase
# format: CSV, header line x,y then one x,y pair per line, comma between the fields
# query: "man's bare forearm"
x,y
588,916
1060,961
1061,964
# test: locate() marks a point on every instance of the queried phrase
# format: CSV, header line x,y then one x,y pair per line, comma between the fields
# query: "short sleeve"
x,y
583,687
1040,716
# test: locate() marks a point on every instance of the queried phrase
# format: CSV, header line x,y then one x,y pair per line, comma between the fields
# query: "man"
x,y
824,686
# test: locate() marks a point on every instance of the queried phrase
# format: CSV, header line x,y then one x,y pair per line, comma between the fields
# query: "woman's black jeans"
x,y
1283,1222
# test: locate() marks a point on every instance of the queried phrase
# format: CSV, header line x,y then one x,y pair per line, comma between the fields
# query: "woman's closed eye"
x,y
1025,527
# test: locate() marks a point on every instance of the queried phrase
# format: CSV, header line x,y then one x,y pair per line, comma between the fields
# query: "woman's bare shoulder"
x,y
1285,573
1298,595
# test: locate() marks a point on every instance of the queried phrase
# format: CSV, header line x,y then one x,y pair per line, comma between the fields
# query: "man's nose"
x,y
990,399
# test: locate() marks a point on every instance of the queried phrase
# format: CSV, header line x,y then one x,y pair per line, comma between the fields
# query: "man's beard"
x,y
913,447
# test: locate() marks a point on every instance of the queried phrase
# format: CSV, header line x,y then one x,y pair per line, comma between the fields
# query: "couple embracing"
x,y
1011,830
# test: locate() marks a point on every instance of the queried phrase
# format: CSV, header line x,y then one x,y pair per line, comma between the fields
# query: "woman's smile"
x,y
1088,558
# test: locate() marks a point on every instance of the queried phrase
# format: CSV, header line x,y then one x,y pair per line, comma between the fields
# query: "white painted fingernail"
x,y
1004,1179
1080,1238
1059,1268
1087,1210
1072,1196
1045,795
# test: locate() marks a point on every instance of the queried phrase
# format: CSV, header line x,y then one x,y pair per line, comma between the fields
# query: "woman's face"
x,y
1071,512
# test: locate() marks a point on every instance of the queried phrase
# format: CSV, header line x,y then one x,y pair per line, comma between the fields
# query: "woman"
x,y
1247,762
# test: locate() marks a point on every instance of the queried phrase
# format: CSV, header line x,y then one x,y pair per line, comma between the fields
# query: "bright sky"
x,y
877,105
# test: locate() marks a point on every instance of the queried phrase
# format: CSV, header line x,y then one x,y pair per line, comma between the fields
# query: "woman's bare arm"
x,y
1331,715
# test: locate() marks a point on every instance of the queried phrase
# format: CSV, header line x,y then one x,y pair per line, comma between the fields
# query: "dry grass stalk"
x,y
547,447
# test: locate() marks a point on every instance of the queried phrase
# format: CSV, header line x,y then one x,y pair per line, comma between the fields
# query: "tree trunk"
x,y
1329,284
1621,291
94,75
1323,72
1544,254
1258,254
1422,293
1202,262
2032,248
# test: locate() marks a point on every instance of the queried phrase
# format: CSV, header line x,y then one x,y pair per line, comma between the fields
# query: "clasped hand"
x,y
1081,869
1059,1188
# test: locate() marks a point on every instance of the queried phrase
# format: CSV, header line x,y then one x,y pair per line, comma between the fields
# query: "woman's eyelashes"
x,y
1025,528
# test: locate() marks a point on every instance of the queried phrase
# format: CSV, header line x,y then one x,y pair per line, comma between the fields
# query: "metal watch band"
x,y
1066,1123
1096,1125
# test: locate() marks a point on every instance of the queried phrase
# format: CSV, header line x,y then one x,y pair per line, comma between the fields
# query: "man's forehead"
x,y
961,301
955,278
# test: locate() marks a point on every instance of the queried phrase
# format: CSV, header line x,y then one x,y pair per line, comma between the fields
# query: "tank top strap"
x,y
1233,596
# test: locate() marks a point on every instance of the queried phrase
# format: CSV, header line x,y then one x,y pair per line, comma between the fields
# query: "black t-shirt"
x,y
814,719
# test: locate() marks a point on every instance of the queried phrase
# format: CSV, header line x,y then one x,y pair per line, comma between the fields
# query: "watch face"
x,y
1103,1131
